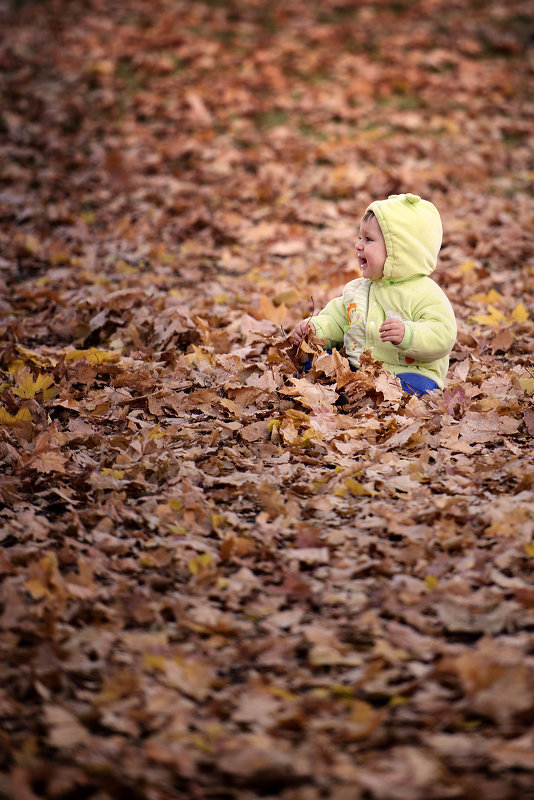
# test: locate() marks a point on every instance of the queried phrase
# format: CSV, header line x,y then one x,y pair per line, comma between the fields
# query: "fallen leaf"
x,y
64,729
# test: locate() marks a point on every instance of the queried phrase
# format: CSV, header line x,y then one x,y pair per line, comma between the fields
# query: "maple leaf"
x,y
493,318
27,386
23,415
267,310
93,356
519,314
48,461
493,296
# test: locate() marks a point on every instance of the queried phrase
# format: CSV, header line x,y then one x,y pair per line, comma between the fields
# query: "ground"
x,y
223,578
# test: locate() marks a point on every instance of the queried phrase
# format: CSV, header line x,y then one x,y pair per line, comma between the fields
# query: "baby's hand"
x,y
392,330
299,331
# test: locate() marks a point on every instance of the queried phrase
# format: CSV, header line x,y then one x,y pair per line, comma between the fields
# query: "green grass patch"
x,y
131,78
312,132
271,119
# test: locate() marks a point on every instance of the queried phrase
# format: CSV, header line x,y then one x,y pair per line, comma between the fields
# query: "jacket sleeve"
x,y
432,332
332,322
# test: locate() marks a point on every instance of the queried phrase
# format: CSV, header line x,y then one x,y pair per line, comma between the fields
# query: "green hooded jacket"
x,y
412,232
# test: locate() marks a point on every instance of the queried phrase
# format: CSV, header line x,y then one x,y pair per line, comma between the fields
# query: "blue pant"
x,y
414,383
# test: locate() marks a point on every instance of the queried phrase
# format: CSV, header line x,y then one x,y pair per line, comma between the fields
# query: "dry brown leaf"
x,y
222,575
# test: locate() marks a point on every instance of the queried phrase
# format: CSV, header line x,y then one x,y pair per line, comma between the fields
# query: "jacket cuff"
x,y
318,330
407,339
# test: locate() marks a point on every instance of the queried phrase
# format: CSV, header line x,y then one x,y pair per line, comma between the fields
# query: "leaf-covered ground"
x,y
221,579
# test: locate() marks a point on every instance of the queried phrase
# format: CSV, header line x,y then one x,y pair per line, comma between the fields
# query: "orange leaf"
x,y
267,310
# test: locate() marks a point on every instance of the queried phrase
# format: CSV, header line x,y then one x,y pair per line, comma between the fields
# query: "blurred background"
x,y
225,150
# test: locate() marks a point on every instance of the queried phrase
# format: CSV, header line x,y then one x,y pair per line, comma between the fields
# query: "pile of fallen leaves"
x,y
223,576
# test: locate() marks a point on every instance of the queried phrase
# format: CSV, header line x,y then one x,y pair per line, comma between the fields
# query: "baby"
x,y
395,310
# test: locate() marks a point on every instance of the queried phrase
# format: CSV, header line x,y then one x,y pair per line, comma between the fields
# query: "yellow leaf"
x,y
357,488
397,700
493,318
125,268
202,563
175,504
527,384
36,588
199,741
520,314
219,521
16,366
288,297
466,267
471,724
198,355
5,417
529,549
93,355
154,661
114,473
267,310
156,432
75,355
22,415
493,296
340,690
431,581
37,358
177,530
28,387
306,439
283,694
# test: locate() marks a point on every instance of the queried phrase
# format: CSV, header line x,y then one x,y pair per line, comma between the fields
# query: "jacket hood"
x,y
412,232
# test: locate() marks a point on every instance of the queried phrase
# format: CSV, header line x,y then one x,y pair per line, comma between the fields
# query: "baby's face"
x,y
371,249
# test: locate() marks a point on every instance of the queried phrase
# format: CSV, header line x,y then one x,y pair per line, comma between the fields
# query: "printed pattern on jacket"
x,y
356,300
